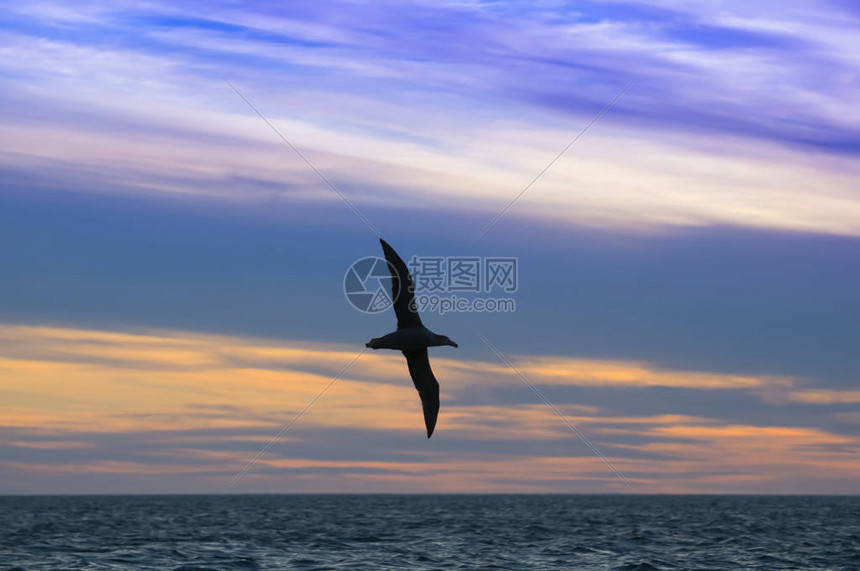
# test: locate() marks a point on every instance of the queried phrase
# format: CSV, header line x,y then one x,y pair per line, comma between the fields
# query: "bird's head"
x,y
445,340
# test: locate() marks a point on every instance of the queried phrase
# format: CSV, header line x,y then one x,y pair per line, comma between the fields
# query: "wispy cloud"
x,y
742,115
80,401
825,396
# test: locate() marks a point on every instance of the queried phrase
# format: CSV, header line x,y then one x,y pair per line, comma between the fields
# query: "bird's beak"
x,y
452,344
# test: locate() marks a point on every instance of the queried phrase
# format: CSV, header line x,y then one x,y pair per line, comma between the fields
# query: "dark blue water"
x,y
429,532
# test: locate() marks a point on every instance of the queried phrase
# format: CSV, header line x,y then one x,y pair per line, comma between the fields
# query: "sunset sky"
x,y
171,272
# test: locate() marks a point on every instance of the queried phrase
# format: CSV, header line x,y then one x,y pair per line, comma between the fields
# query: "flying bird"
x,y
411,337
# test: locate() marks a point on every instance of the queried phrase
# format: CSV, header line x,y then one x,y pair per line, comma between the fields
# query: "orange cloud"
x,y
589,372
50,444
821,396
68,388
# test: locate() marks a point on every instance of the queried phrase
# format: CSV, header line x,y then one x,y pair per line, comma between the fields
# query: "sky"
x,y
172,270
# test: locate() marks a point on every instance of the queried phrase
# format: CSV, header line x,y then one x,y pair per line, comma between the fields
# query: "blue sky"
x,y
688,269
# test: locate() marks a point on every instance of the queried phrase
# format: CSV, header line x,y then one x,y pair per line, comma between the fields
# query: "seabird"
x,y
411,337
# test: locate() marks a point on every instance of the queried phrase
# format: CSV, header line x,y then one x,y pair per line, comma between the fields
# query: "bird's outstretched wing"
x,y
402,290
425,382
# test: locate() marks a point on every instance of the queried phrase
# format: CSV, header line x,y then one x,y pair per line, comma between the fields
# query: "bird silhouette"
x,y
411,337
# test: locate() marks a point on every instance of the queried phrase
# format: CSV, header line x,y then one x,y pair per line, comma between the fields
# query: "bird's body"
x,y
411,337
408,339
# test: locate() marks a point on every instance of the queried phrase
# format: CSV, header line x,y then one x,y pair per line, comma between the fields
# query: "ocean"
x,y
607,532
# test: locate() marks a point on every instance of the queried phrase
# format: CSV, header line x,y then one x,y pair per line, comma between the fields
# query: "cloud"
x,y
741,116
825,396
49,444
590,372
169,403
